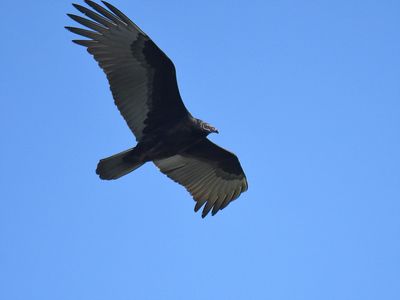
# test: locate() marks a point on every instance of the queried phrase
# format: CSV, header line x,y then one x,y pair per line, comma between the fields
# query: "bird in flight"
x,y
144,87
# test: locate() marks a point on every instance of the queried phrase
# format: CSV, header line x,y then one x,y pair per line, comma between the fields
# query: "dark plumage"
x,y
143,83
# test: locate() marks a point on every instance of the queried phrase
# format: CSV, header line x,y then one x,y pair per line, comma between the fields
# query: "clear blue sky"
x,y
306,93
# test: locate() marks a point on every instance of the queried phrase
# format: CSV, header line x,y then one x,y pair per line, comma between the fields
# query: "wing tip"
x,y
204,213
77,6
88,2
198,206
71,29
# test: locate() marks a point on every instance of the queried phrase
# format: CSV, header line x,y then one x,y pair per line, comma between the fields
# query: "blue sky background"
x,y
306,93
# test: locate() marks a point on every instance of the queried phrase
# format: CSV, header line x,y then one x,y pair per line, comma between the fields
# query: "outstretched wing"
x,y
142,78
211,174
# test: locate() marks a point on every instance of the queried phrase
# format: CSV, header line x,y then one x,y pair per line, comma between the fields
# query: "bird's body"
x,y
172,140
143,83
166,143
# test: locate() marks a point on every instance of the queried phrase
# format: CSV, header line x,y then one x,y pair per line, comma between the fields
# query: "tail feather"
x,y
118,165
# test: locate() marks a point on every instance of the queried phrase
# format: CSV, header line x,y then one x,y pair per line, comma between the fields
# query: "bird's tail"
x,y
118,165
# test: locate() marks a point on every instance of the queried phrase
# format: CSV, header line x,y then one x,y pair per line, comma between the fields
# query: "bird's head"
x,y
207,128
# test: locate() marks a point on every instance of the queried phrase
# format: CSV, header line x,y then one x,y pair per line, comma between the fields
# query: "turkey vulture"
x,y
143,84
